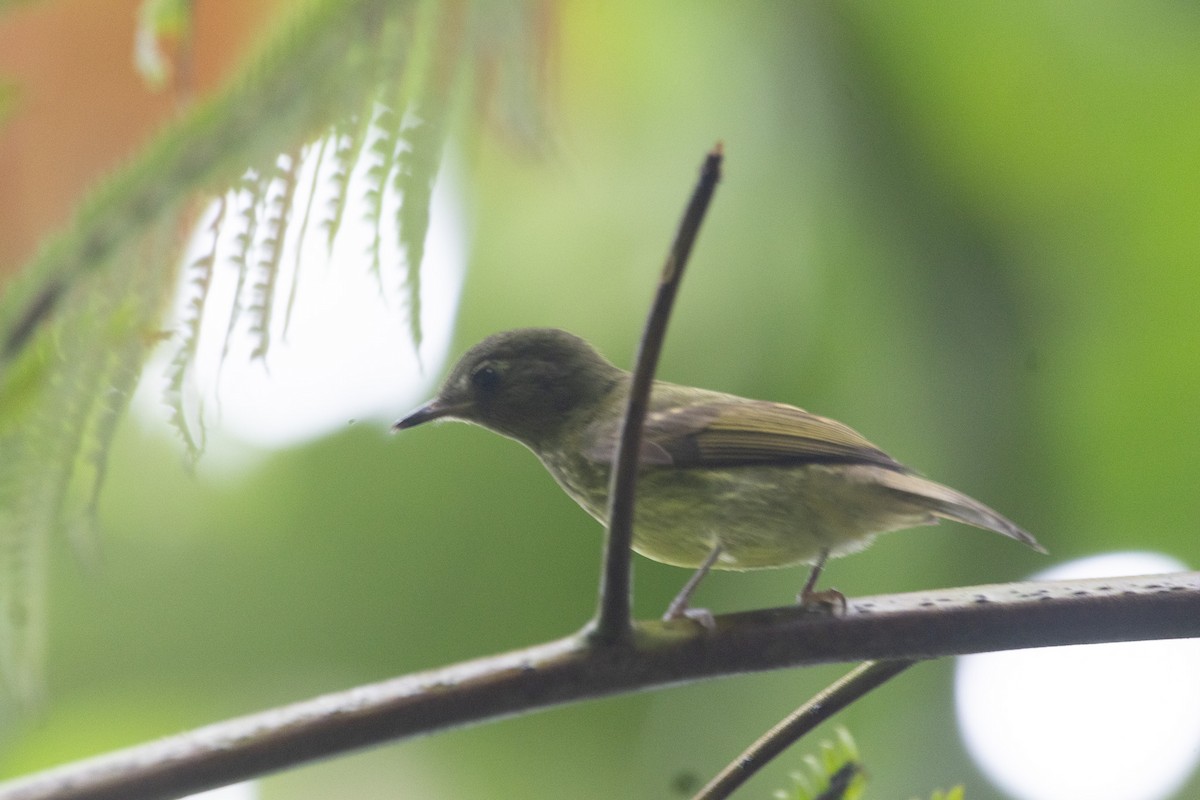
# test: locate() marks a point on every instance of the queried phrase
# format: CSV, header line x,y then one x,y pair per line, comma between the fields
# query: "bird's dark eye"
x,y
485,378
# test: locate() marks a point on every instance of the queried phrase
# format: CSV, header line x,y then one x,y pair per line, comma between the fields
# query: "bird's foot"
x,y
701,616
826,601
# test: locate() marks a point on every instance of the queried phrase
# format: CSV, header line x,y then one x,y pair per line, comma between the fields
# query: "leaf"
x,y
387,141
252,198
835,774
301,234
158,20
78,321
198,276
22,575
278,210
349,139
417,170
53,466
419,154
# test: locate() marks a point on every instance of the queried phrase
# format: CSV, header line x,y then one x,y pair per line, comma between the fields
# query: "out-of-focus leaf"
x,y
158,20
96,291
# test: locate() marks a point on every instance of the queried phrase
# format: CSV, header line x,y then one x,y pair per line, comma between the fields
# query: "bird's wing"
x,y
741,434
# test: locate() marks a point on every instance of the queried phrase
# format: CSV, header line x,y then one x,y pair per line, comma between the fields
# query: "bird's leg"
x,y
814,575
679,606
812,600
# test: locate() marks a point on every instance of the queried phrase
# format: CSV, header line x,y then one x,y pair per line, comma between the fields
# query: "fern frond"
x,y
349,140
302,232
419,154
52,479
123,373
383,150
76,322
311,78
417,168
130,337
252,197
23,552
386,126
278,211
198,275
69,407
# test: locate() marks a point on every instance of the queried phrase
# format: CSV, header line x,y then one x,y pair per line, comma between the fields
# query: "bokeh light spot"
x,y
1116,721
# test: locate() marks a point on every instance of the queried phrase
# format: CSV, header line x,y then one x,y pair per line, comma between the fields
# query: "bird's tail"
x,y
946,503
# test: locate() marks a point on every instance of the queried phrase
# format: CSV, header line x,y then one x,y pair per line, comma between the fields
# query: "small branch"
x,y
896,627
613,621
829,701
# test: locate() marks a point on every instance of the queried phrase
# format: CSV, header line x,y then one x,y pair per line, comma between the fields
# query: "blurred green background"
x,y
971,231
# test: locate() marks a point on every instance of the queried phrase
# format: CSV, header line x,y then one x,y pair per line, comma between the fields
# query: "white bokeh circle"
x,y
1114,721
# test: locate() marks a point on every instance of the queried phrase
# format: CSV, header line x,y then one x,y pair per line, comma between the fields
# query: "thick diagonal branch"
x,y
908,626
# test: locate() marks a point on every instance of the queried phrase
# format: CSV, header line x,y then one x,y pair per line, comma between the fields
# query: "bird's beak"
x,y
434,409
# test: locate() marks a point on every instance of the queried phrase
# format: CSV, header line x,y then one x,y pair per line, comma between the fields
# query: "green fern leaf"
x,y
23,547
278,212
302,232
423,139
349,140
417,168
52,479
198,275
120,358
79,319
383,150
252,194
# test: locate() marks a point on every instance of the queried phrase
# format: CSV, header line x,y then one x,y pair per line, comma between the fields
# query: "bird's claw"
x,y
826,601
701,616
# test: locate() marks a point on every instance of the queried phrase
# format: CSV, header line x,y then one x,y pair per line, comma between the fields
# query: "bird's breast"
x,y
761,516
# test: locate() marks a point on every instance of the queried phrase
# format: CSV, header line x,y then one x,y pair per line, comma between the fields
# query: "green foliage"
x,y
76,327
55,442
278,202
349,137
198,275
835,773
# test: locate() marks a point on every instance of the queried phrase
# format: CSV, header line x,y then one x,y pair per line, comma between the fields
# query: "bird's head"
x,y
528,384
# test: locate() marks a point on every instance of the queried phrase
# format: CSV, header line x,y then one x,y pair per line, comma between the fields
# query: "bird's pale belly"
x,y
761,516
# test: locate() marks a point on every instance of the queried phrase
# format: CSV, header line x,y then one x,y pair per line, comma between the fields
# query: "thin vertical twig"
x,y
832,699
613,621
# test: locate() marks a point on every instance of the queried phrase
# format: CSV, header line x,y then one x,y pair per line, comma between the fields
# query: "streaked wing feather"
x,y
743,434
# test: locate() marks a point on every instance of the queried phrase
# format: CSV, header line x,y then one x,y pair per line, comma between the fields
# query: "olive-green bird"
x,y
725,482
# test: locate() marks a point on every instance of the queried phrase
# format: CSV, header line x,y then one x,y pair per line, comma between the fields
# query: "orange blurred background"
x,y
81,105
